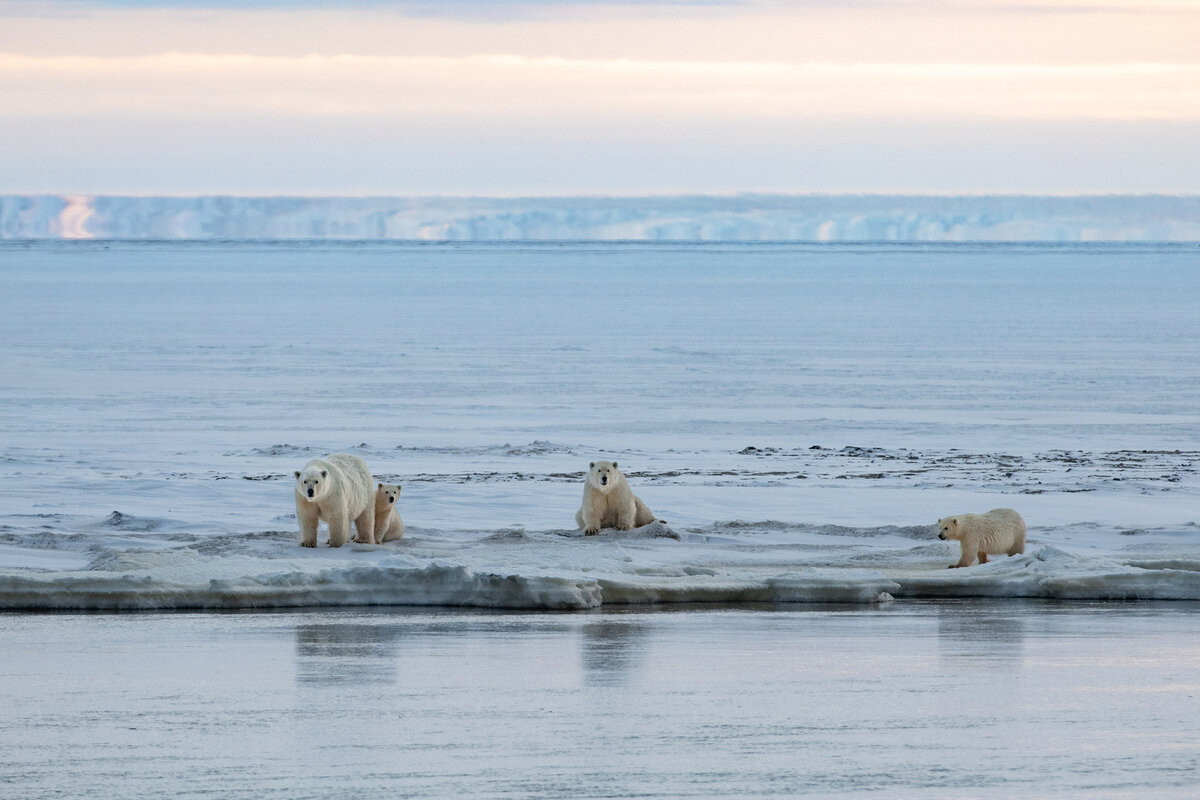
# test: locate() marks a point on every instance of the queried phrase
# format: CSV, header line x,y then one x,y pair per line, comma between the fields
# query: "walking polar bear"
x,y
608,502
1000,530
335,489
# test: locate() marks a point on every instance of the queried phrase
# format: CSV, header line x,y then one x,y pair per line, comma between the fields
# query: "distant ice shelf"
x,y
737,218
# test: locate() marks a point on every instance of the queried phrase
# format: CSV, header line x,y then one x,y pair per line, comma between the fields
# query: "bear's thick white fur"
x,y
388,525
1000,530
608,502
335,489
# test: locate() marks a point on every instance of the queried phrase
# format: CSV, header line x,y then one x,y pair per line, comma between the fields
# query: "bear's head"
x,y
603,475
312,482
948,528
386,495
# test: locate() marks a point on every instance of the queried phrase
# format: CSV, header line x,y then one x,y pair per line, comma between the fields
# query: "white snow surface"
x,y
812,218
799,416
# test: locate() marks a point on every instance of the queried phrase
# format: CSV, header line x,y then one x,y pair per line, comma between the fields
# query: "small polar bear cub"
x,y
388,525
1000,530
608,502
337,490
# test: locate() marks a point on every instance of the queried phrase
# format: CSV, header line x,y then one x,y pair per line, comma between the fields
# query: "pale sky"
x,y
497,97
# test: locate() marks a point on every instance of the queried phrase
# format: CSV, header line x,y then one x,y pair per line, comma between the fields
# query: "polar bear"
x,y
388,525
1000,530
608,502
336,489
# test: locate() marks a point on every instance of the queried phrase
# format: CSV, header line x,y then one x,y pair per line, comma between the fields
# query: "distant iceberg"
x,y
737,218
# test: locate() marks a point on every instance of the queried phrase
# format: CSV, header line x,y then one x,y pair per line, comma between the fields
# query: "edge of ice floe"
x,y
186,578
1047,572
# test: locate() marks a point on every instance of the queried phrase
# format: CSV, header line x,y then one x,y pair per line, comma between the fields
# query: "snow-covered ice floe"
x,y
731,562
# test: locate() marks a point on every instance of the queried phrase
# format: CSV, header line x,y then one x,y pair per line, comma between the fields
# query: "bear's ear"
x,y
954,521
297,473
381,485
324,474
399,488
590,466
614,465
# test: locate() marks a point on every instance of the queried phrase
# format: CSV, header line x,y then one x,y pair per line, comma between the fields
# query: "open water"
x,y
955,699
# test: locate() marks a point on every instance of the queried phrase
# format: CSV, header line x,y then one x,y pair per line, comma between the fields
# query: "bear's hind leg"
x,y
626,515
642,513
365,525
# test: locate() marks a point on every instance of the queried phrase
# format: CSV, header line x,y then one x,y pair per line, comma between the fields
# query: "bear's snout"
x,y
310,492
391,499
942,536
604,480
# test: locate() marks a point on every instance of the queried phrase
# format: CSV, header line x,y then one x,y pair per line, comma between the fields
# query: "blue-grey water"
x,y
952,699
792,386
169,365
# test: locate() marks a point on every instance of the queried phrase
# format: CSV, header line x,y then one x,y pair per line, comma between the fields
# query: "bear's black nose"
x,y
310,492
942,536
391,499
604,481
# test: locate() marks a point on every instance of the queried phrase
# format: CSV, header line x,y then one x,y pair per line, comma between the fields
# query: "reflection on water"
x,y
982,634
733,702
360,647
368,652
347,653
611,650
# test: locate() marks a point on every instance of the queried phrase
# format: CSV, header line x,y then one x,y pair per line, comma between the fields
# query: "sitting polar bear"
x,y
608,502
1000,530
388,525
336,489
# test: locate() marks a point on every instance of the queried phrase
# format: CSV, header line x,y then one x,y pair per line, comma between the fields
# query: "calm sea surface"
x,y
658,345
181,383
173,366
953,699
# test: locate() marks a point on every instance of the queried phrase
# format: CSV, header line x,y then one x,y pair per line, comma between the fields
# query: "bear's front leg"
x,y
309,519
969,549
339,529
588,517
365,525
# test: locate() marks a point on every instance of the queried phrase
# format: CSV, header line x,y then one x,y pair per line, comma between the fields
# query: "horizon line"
x,y
605,195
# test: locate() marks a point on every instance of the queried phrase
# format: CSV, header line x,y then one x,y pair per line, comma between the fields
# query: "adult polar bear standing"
x,y
608,502
337,489
1000,530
